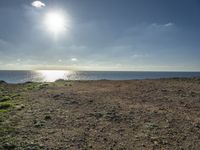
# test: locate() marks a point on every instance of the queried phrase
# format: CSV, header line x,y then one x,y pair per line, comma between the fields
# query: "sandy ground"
x,y
101,115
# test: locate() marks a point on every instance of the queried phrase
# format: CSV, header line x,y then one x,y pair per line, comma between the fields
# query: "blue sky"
x,y
151,35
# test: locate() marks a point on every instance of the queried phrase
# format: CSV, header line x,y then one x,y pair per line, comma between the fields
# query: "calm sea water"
x,y
51,76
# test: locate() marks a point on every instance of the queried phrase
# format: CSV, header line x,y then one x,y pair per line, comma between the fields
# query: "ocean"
x,y
53,75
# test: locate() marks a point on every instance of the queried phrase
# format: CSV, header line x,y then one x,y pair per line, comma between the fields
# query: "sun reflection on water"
x,y
53,75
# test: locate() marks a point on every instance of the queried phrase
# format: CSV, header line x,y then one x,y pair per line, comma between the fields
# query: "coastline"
x,y
53,75
101,114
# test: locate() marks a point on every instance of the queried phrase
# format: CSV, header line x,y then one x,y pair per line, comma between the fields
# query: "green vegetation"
x,y
5,105
5,98
36,86
3,111
9,97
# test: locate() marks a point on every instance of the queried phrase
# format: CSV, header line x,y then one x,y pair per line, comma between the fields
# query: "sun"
x,y
55,22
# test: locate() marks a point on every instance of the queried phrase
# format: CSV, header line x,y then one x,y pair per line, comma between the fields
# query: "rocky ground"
x,y
111,115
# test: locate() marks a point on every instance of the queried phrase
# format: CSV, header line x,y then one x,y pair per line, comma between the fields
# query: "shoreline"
x,y
53,75
101,114
83,80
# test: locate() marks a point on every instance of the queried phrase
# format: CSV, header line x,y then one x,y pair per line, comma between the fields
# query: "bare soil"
x,y
111,115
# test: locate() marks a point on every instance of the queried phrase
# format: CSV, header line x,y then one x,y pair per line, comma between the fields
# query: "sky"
x,y
126,35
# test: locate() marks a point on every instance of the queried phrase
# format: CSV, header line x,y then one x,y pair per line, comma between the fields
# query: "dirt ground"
x,y
101,115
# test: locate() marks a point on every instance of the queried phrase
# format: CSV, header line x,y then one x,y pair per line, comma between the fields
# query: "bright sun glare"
x,y
55,22
53,75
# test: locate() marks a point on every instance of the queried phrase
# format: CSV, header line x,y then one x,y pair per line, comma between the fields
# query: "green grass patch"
x,y
1,89
5,98
15,95
36,86
3,111
5,105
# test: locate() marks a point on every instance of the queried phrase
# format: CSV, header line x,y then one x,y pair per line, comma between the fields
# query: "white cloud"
x,y
140,55
74,59
155,25
38,4
169,24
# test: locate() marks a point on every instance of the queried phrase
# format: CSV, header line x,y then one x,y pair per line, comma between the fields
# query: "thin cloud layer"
x,y
169,24
74,59
38,4
156,25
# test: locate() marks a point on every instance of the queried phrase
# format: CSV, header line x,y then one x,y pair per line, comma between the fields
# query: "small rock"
x,y
38,124
20,107
56,96
105,139
155,142
197,125
193,94
47,117
91,101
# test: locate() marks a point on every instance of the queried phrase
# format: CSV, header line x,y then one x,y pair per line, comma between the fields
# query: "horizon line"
x,y
100,70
